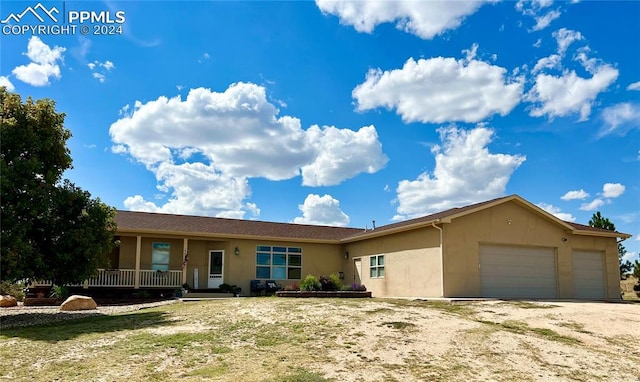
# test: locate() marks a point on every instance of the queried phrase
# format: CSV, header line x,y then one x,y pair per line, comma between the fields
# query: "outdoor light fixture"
x,y
346,255
237,251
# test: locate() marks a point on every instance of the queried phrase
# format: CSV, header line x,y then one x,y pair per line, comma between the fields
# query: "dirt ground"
x,y
255,339
488,341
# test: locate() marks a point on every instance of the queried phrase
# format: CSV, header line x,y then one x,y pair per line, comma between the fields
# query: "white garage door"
x,y
517,272
588,274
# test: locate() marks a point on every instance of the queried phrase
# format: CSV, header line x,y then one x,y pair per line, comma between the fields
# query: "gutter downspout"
x,y
433,224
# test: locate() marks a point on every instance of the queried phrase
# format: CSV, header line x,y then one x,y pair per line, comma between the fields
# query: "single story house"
x,y
505,248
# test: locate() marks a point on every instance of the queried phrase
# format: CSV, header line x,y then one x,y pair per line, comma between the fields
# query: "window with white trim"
x,y
278,263
160,254
376,266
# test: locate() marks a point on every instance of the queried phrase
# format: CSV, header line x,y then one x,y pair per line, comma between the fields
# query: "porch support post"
x,y
136,284
185,259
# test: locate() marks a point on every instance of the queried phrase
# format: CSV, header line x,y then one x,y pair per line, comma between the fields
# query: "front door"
x,y
357,271
216,268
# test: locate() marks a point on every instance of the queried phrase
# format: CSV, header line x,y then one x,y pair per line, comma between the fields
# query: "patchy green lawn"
x,y
276,339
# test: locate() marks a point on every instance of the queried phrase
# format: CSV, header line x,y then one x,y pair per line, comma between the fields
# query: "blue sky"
x,y
341,112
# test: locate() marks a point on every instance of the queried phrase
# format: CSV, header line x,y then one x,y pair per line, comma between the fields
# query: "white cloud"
x,y
593,205
226,138
43,65
631,257
4,81
630,217
100,69
203,57
537,10
609,191
108,65
465,172
565,37
575,195
99,76
559,96
441,89
612,190
543,21
323,210
621,118
342,154
253,209
196,189
551,62
424,19
634,86
555,211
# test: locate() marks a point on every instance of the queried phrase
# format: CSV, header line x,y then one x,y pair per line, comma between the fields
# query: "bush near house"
x,y
13,289
310,283
331,283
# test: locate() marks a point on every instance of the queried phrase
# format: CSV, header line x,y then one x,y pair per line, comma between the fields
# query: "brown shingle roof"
x,y
582,227
207,226
144,221
429,218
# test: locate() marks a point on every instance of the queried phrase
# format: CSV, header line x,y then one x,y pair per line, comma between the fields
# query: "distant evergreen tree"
x,y
599,221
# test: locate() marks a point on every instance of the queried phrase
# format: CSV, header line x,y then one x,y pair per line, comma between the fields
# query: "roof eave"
x,y
601,234
207,235
383,232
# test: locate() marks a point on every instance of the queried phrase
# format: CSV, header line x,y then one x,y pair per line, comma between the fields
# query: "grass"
x,y
529,305
523,328
265,340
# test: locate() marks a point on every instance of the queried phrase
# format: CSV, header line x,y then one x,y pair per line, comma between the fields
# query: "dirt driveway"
x,y
486,341
267,339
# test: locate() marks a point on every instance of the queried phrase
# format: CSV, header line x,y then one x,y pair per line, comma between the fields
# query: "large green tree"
x,y
51,229
599,221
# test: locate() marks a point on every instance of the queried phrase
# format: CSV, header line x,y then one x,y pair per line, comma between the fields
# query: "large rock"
x,y
8,301
77,302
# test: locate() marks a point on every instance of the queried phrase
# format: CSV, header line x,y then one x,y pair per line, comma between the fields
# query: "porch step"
x,y
206,295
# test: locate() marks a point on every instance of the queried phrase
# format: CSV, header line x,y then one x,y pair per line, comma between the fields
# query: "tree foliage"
x,y
599,221
636,270
51,229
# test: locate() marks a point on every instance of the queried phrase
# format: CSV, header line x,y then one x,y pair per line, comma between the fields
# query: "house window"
x,y
376,266
278,263
160,256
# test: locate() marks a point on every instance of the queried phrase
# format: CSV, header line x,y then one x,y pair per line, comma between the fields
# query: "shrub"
x,y
292,287
60,291
13,289
336,280
310,283
359,287
327,284
636,287
346,288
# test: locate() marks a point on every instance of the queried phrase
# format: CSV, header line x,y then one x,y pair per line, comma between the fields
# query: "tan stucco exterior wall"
x,y
412,264
128,252
317,258
513,224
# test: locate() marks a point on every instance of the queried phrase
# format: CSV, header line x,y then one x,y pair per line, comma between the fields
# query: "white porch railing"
x,y
127,278
113,278
160,279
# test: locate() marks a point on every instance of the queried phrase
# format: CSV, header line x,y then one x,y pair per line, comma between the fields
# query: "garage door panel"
x,y
588,274
518,272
